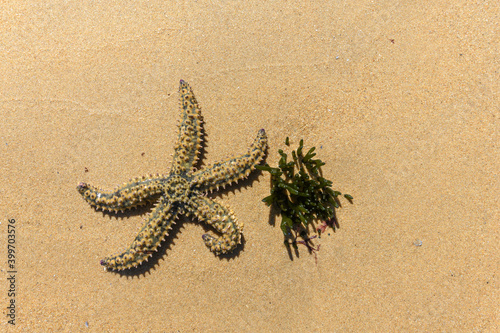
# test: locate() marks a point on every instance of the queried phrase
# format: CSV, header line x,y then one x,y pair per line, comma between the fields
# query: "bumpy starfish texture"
x,y
183,191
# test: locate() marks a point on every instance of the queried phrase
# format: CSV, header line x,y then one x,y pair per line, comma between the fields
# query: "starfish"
x,y
182,192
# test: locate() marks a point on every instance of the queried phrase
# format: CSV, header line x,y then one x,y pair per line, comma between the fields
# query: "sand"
x,y
400,99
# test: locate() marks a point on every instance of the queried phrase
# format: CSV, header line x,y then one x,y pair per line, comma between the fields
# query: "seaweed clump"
x,y
302,195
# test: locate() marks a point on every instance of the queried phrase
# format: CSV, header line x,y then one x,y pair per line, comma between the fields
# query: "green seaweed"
x,y
302,194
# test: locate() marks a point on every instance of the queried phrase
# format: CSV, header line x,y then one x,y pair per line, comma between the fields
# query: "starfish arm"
x,y
147,241
188,144
222,219
223,173
134,193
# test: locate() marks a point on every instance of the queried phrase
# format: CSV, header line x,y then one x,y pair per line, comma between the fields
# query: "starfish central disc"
x,y
177,189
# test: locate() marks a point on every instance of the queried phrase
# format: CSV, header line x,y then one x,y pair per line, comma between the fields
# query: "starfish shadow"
x,y
315,225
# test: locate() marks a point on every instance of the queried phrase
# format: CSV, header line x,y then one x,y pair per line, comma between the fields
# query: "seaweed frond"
x,y
301,194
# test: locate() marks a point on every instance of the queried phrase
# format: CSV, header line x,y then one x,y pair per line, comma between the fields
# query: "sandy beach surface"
x,y
400,99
